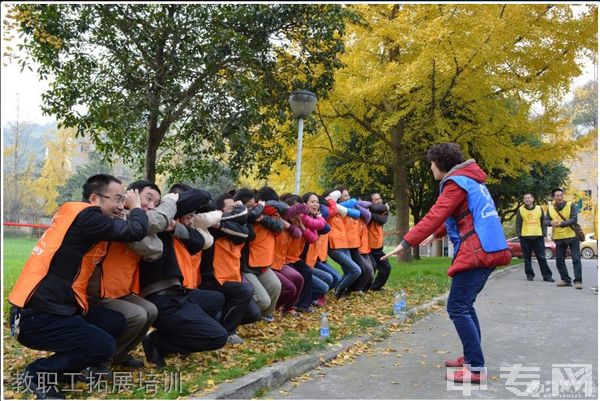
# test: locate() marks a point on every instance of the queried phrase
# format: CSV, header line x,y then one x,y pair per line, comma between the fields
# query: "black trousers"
x,y
383,268
238,308
363,282
561,254
535,244
305,298
77,341
186,323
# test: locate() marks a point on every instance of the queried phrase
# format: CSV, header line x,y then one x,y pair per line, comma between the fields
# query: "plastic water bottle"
x,y
324,327
400,303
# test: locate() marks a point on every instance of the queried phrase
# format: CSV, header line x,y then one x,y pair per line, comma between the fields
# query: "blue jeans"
x,y
320,283
351,270
326,267
465,287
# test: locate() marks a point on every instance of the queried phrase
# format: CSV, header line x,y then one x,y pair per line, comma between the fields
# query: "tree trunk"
x,y
416,249
154,139
400,187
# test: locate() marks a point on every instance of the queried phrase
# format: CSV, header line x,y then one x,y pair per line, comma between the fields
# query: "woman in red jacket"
x,y
472,224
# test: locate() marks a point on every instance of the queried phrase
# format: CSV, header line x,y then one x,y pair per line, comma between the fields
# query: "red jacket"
x,y
453,202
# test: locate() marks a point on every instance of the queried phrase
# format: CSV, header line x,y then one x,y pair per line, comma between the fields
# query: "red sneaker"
x,y
466,376
456,363
319,302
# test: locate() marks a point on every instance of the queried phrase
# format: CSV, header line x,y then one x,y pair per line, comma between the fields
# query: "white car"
x,y
589,247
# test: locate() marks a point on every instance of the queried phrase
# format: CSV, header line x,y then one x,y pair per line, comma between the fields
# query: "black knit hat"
x,y
192,200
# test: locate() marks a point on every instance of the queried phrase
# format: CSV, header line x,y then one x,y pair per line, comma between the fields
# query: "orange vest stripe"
x,y
282,242
323,245
294,250
89,262
226,261
337,235
262,249
38,264
375,235
189,265
364,238
119,271
352,232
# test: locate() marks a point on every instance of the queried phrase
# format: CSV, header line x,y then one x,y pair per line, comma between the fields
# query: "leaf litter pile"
x,y
264,344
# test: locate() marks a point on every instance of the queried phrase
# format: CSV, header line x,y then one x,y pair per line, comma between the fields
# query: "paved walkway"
x,y
534,324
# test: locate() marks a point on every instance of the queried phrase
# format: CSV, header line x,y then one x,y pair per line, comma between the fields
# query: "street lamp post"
x,y
302,104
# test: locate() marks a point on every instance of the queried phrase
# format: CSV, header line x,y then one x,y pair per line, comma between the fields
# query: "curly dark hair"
x,y
445,155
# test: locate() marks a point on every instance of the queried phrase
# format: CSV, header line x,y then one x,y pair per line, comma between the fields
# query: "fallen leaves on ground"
x,y
264,344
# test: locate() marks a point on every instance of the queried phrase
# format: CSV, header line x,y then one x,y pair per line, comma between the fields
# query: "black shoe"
x,y
93,374
530,278
130,362
153,355
340,292
41,393
549,279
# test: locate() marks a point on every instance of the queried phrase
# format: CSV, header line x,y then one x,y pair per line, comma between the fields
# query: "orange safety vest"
x,y
282,241
294,250
352,232
226,261
375,235
337,235
189,265
38,264
364,238
120,275
262,249
323,245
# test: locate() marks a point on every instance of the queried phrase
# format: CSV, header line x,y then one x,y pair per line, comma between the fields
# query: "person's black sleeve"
x,y
236,233
195,242
380,219
91,223
519,223
272,224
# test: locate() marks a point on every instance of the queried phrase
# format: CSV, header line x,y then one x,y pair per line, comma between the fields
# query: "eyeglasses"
x,y
118,198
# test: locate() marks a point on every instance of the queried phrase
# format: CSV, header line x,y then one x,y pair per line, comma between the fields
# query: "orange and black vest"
x,y
294,250
364,238
188,264
282,242
262,248
37,267
375,235
226,261
120,275
337,235
352,232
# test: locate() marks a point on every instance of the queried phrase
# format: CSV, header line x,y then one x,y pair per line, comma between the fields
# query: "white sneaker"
x,y
234,339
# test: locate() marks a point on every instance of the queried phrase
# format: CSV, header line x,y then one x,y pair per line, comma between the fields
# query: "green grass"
x,y
423,279
16,252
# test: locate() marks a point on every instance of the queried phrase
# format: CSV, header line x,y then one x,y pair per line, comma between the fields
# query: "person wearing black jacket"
x,y
220,267
50,310
187,320
379,216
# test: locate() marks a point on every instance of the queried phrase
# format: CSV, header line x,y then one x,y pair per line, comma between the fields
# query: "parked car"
x,y
589,247
515,248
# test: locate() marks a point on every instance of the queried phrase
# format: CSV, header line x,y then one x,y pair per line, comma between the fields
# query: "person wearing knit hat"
x,y
291,281
115,280
339,245
187,318
258,254
220,267
379,216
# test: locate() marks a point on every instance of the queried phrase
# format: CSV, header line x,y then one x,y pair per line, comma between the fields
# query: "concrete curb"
x,y
276,375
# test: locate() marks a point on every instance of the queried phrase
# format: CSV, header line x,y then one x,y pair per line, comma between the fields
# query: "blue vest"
x,y
485,216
